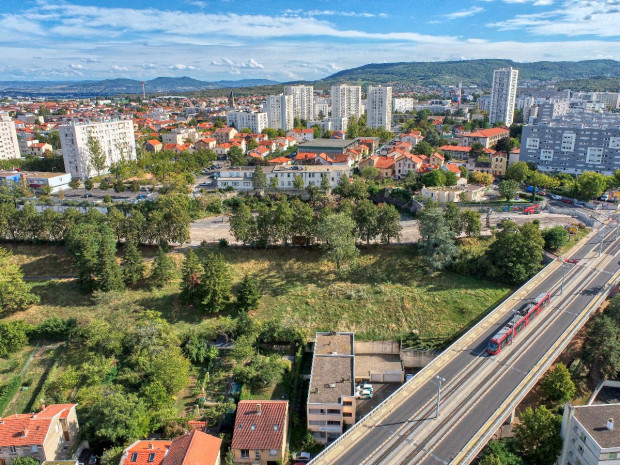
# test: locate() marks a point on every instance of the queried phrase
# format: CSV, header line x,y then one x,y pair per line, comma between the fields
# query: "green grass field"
x,y
385,295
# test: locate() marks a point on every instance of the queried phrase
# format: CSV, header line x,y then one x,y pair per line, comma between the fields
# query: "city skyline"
x,y
88,39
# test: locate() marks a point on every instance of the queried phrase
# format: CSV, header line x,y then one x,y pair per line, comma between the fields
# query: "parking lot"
x,y
381,391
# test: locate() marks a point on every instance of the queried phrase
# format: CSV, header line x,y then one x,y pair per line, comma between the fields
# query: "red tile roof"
x,y
153,142
195,448
280,160
140,451
454,168
29,429
384,163
460,148
264,431
488,132
197,424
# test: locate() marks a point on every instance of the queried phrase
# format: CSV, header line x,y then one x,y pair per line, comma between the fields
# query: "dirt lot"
x,y
215,228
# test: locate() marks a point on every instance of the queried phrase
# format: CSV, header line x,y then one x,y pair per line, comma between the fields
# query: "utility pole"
x,y
563,276
439,381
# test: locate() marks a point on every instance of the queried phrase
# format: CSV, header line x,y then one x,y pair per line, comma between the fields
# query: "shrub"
x,y
56,329
8,391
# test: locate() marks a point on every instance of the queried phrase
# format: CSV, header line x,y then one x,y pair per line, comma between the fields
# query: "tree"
x,y
337,233
517,252
501,452
538,436
479,177
452,217
388,222
13,336
117,418
423,148
109,276
505,145
163,269
437,240
243,224
435,178
24,461
472,225
451,178
557,385
370,172
192,274
281,219
14,292
518,172
89,184
591,185
555,237
132,263
119,185
365,215
508,189
601,348
252,144
325,182
259,179
74,184
273,182
96,156
476,150
298,182
214,286
236,156
248,294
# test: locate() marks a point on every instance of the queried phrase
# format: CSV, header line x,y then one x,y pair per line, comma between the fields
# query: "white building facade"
x,y
256,121
503,95
346,101
279,109
402,105
240,177
116,141
9,145
303,101
379,107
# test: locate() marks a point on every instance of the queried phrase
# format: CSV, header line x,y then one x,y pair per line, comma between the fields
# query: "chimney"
x,y
150,445
25,432
258,409
42,407
610,424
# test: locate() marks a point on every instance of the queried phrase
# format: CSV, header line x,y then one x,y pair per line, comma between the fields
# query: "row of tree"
x,y
287,220
164,220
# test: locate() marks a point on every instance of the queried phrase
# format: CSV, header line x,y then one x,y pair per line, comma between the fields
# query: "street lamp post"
x,y
439,381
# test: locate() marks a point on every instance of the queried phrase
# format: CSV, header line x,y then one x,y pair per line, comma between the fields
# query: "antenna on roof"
x,y
143,91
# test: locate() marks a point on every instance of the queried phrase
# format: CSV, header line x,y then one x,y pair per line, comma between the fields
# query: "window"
x,y
134,456
257,454
332,411
273,452
613,455
546,155
151,457
594,155
347,414
245,454
34,449
12,450
347,402
333,423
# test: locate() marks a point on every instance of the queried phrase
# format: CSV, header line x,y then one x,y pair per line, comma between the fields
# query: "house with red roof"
x,y
224,135
412,137
437,159
195,448
301,135
460,152
385,165
153,145
259,436
49,434
206,143
487,137
280,161
404,163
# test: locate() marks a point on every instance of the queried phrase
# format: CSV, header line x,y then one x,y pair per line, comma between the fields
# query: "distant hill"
x,y
109,87
472,72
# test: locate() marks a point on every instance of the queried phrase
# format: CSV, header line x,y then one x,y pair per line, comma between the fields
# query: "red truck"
x,y
531,209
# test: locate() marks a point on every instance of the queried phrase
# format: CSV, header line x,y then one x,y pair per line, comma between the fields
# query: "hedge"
x,y
8,391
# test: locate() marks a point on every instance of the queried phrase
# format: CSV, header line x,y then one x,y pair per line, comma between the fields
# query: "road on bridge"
x,y
476,384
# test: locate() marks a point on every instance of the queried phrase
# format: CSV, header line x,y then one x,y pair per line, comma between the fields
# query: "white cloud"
x,y
355,14
77,67
182,67
236,67
465,13
119,69
572,18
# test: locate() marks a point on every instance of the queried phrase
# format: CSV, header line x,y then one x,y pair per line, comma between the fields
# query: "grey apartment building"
x,y
574,143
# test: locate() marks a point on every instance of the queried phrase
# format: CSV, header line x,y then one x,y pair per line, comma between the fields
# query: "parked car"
x,y
302,457
576,203
555,197
568,201
571,260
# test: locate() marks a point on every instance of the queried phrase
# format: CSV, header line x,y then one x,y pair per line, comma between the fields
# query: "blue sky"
x,y
288,40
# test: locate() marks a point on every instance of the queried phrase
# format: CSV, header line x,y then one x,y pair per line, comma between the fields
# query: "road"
x,y
476,384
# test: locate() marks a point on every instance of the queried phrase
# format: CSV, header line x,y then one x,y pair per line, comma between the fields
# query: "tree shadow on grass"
x,y
61,293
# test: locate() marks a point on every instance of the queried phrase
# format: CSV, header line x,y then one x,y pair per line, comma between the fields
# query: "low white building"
x,y
402,104
240,177
55,181
179,136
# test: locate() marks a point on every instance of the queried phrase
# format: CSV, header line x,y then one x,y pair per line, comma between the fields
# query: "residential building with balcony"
x,y
346,101
302,100
115,139
379,107
255,120
279,109
331,397
503,96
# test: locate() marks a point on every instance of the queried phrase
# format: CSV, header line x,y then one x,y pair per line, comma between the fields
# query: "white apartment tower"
x,y
116,141
503,95
256,121
346,101
379,107
303,101
279,109
9,146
